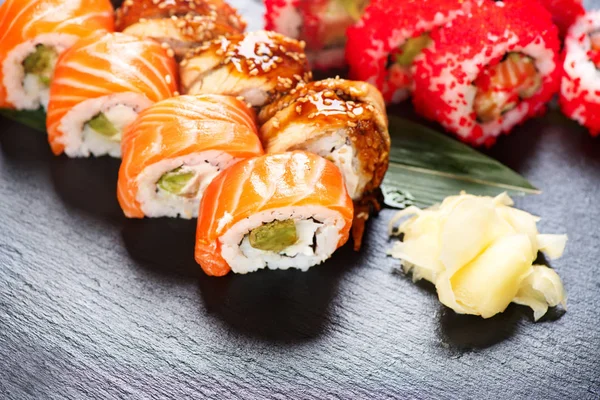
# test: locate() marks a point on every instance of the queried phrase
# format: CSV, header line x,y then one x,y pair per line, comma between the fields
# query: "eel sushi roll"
x,y
342,121
258,66
564,13
489,70
322,24
33,34
278,211
175,148
580,86
100,85
180,24
384,44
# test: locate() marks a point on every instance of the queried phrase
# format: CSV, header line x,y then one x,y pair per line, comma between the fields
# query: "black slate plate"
x,y
96,306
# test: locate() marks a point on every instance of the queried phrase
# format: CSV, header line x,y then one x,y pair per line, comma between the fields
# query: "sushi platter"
x,y
329,199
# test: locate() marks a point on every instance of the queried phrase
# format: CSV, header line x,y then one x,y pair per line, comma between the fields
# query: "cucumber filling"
x,y
179,182
102,125
105,129
41,63
500,88
411,49
275,236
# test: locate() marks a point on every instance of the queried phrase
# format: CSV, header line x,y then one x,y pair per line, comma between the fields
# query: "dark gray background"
x,y
96,306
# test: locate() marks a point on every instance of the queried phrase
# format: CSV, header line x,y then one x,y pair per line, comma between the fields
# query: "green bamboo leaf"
x,y
33,119
427,166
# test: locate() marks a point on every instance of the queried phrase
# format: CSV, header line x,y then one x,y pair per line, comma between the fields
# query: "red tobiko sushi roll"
x,y
580,87
488,71
321,24
564,13
383,45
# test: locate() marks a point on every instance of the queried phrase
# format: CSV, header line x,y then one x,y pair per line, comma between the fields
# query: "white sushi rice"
x,y
456,92
80,140
25,91
314,224
577,63
337,148
156,202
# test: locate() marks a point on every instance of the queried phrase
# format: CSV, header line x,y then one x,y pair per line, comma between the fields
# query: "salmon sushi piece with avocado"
x,y
100,86
278,211
343,121
175,148
33,34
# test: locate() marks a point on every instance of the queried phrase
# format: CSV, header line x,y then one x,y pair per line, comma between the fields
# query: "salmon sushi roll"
x,y
278,211
175,148
384,44
322,24
342,121
489,70
180,24
258,66
580,86
33,34
100,85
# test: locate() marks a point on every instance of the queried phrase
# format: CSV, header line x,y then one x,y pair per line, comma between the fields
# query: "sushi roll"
x,y
33,34
180,24
489,70
564,13
278,211
175,148
343,121
580,86
100,85
321,24
257,66
384,44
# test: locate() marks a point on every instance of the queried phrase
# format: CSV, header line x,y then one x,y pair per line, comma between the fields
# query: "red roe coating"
x,y
480,39
273,8
580,86
385,26
564,13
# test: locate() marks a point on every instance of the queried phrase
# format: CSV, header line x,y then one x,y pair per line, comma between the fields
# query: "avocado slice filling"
x,y
176,181
411,49
41,63
354,8
275,236
102,125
